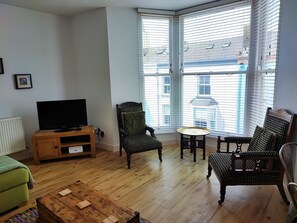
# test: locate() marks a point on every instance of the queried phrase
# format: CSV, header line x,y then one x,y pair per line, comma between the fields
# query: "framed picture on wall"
x,y
23,81
1,66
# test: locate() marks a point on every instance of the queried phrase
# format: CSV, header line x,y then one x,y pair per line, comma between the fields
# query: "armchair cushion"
x,y
262,140
134,123
141,143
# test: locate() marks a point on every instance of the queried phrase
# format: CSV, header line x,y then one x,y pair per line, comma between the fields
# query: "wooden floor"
x,y
172,191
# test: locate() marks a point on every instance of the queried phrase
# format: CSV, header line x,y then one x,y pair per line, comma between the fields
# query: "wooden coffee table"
x,y
53,207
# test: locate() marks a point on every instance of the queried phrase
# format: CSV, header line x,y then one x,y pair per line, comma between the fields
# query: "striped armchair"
x,y
260,164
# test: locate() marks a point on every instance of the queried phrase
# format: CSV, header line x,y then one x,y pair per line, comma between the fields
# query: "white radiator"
x,y
12,136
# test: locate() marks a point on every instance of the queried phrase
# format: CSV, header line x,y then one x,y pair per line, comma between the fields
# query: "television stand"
x,y
49,144
68,129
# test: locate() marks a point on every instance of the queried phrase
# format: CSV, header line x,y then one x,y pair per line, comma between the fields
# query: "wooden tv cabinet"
x,y
48,144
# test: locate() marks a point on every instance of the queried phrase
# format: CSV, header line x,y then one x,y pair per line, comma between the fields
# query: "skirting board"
x,y
210,144
115,148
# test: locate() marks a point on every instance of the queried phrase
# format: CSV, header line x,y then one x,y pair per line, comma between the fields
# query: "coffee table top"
x,y
54,207
193,131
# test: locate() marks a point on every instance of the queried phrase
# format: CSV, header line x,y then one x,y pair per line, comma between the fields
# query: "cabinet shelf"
x,y
75,144
75,154
48,144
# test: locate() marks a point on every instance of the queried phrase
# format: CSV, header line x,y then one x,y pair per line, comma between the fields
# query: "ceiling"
x,y
74,7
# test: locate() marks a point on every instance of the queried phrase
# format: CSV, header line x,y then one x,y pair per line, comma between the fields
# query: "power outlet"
x,y
99,132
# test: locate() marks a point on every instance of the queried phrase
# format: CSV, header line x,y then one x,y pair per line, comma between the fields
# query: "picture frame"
x,y
1,66
23,81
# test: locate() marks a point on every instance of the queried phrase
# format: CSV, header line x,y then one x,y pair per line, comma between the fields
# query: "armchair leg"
x,y
219,140
283,194
121,146
223,193
209,171
129,160
160,154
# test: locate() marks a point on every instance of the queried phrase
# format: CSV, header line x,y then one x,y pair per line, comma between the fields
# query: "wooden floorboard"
x,y
172,191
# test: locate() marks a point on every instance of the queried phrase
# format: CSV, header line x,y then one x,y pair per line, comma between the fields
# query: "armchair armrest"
x,y
122,131
151,130
262,162
238,140
257,154
148,128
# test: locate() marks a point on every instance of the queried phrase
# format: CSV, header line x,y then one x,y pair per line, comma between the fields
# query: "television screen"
x,y
62,115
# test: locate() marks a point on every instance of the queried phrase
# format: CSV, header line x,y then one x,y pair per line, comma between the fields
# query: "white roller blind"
x,y
264,59
214,48
155,69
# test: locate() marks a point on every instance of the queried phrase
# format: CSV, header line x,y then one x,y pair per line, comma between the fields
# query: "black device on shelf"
x,y
62,115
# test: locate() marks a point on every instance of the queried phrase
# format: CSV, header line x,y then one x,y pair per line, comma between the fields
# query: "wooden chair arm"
x,y
151,130
122,132
263,162
238,140
261,154
148,128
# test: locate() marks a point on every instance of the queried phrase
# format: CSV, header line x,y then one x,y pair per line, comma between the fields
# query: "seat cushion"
x,y
134,122
141,143
263,139
221,164
13,178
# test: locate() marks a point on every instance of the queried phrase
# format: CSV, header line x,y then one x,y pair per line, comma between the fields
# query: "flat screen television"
x,y
62,115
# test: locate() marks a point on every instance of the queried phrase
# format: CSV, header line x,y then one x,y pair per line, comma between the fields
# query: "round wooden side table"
x,y
192,138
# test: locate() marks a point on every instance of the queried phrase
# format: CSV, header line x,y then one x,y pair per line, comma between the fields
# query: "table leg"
x,y
181,146
203,147
193,146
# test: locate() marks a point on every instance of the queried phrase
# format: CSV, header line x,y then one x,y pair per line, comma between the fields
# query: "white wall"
x,y
93,55
106,52
286,90
123,60
92,69
39,44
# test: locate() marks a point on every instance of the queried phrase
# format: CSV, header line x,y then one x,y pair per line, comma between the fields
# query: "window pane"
x,y
269,33
155,42
265,49
216,40
222,110
157,104
156,70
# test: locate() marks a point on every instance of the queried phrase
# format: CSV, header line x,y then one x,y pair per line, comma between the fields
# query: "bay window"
x,y
220,72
